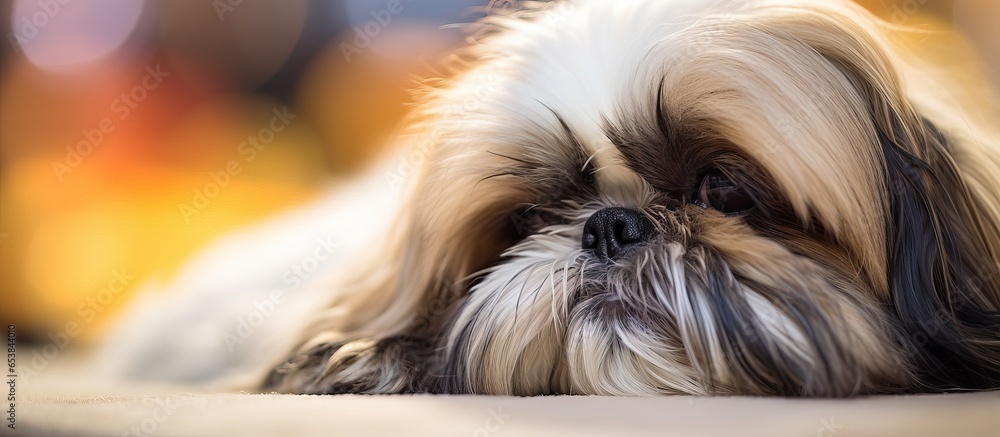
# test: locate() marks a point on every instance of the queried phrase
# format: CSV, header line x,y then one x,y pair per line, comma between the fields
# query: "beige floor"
x,y
70,407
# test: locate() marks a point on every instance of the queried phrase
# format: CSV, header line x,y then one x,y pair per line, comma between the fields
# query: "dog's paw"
x,y
392,365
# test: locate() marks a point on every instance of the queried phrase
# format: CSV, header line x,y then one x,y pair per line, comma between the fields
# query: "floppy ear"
x,y
942,242
942,213
942,257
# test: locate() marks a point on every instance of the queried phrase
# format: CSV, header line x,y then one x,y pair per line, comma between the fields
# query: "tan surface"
x,y
136,410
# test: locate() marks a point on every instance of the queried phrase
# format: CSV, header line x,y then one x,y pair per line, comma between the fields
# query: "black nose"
x,y
611,231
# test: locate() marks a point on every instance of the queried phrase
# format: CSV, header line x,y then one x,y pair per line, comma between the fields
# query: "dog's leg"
x,y
392,365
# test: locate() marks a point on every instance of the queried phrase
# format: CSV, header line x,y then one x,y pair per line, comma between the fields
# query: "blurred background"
x,y
133,132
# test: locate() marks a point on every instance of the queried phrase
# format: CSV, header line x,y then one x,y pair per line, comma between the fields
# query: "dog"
x,y
645,197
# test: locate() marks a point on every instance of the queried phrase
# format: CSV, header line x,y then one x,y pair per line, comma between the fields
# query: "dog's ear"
x,y
942,256
942,240
942,212
942,236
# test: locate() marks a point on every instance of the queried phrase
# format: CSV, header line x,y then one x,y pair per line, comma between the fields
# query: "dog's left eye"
x,y
719,192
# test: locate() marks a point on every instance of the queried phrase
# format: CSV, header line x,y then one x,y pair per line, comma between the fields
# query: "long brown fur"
x,y
869,264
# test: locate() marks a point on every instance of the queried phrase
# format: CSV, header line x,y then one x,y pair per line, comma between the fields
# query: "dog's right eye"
x,y
719,192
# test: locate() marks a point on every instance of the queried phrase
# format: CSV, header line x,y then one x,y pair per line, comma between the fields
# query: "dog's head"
x,y
640,197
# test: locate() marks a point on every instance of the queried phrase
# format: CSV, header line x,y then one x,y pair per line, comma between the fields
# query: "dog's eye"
x,y
718,191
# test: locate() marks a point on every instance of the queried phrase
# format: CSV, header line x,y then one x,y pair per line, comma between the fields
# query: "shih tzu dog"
x,y
640,197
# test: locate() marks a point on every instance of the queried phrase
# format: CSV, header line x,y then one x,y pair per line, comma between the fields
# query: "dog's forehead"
x,y
572,62
742,72
601,64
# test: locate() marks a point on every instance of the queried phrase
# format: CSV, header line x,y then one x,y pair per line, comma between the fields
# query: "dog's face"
x,y
702,202
689,197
